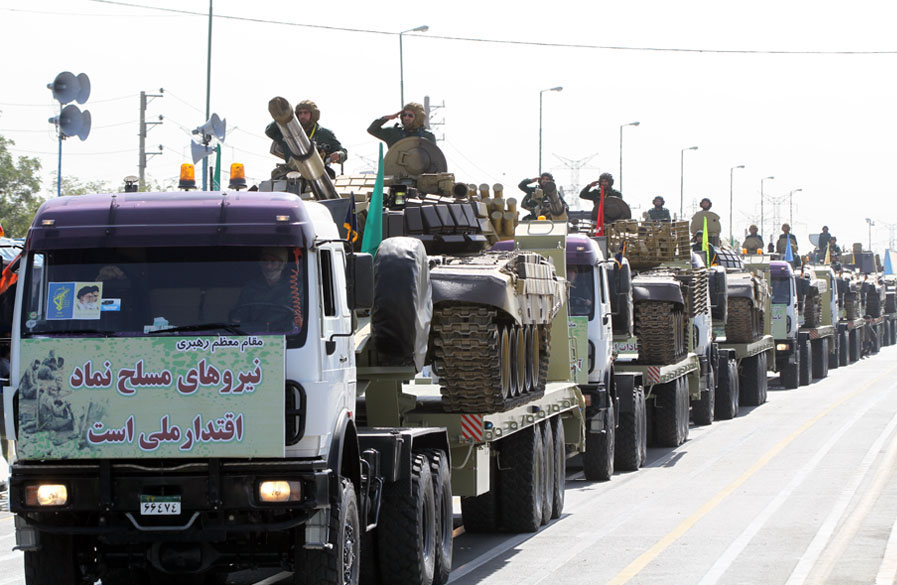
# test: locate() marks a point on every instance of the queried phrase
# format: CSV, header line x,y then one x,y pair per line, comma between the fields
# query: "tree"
x,y
74,186
19,190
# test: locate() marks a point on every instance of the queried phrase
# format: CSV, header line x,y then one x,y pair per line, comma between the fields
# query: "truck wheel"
x,y
751,384
442,489
521,480
560,467
629,447
762,380
670,418
833,349
480,513
702,410
54,562
806,363
726,404
407,528
598,460
548,494
843,348
339,564
790,374
854,355
876,339
820,358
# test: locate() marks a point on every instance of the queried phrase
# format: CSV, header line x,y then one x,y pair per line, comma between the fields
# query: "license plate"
x,y
160,505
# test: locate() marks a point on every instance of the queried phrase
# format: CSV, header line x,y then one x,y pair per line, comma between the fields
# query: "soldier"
x,y
753,243
328,146
710,257
713,225
589,192
782,242
659,212
413,118
824,238
550,204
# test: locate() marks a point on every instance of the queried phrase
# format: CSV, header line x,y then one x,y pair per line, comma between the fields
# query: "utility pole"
x,y
141,161
574,166
430,109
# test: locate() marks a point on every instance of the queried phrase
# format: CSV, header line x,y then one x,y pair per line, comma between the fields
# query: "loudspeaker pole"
x,y
141,161
205,163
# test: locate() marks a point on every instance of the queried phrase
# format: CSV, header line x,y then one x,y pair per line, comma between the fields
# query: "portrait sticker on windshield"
x,y
74,300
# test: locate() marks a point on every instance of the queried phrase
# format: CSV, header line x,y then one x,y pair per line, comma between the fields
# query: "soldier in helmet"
x,y
550,204
605,180
328,146
659,212
753,241
782,242
413,119
713,225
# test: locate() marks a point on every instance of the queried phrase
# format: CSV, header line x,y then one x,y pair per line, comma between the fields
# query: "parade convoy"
x,y
215,381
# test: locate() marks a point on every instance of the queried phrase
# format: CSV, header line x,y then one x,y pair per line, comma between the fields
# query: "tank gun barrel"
x,y
305,157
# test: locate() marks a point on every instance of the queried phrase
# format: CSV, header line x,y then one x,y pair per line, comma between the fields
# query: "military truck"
x,y
174,419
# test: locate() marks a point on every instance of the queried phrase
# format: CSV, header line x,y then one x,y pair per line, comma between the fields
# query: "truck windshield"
x,y
581,283
781,291
135,292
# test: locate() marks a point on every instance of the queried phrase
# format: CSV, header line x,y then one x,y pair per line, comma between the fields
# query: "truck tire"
x,y
442,489
598,460
671,413
820,358
702,410
790,374
726,406
522,481
806,363
339,564
843,348
407,528
876,339
855,346
631,436
833,351
560,466
548,457
753,380
480,513
54,562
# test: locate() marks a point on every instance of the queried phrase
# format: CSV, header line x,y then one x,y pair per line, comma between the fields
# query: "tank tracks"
x,y
813,311
477,360
852,306
743,323
661,331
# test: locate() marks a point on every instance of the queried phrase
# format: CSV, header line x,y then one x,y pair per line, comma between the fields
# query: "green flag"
x,y
216,179
705,243
373,227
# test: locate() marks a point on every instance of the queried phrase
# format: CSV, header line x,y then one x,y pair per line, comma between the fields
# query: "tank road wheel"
x,y
560,466
516,382
630,448
533,351
806,363
480,513
549,458
54,562
598,460
520,361
522,481
726,406
407,528
843,348
544,338
339,564
442,489
820,358
790,374
670,417
528,357
504,353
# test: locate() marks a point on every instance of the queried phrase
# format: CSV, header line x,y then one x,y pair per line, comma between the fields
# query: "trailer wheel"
x,y
339,564
833,349
54,562
762,379
806,363
820,358
630,449
480,513
560,466
753,380
790,374
876,339
442,489
893,332
671,413
407,528
855,346
843,348
598,460
521,480
548,457
702,410
726,406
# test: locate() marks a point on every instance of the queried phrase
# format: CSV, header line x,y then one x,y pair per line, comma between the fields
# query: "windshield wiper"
x,y
229,327
72,332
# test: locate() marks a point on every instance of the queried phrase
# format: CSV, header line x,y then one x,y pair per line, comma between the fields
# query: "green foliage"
x,y
74,186
19,190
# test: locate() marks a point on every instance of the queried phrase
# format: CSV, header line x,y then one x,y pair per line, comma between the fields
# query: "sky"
x,y
800,91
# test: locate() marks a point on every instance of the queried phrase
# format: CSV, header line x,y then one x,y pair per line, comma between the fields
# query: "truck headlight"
x,y
782,347
277,491
46,494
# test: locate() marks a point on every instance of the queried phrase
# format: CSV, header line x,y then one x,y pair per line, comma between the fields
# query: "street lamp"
x,y
764,179
871,223
790,206
682,180
558,88
620,177
731,204
422,28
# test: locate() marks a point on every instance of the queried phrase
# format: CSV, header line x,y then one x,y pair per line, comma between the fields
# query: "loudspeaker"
x,y
214,126
66,88
73,122
199,151
84,88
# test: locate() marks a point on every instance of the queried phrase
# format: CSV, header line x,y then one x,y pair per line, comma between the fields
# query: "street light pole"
x,y
423,28
764,179
558,88
871,223
620,177
731,204
790,206
682,180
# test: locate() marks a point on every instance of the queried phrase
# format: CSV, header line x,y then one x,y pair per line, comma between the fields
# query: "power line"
x,y
508,42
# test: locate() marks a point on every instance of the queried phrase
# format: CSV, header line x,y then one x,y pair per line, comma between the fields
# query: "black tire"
x,y
762,379
407,528
726,406
820,358
671,413
549,461
54,562
521,481
806,363
598,460
480,513
843,348
855,346
790,374
630,440
702,410
442,489
876,339
339,564
752,380
833,349
560,467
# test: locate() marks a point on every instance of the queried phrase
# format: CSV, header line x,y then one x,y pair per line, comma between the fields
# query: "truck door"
x,y
336,323
600,327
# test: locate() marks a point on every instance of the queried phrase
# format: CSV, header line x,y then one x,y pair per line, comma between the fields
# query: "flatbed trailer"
x,y
850,332
752,360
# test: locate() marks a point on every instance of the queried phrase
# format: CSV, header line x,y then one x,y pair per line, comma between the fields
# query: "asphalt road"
x,y
801,490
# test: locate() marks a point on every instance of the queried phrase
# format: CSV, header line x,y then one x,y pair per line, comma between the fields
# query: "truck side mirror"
x,y
360,281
